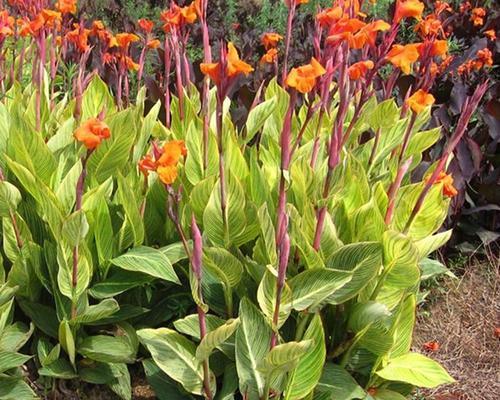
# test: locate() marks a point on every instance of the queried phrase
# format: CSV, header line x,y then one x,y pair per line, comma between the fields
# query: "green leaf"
x,y
165,388
67,340
268,235
15,388
429,244
220,233
284,358
311,288
59,369
385,115
10,197
9,360
432,268
339,384
253,338
175,355
121,385
415,369
107,349
363,260
258,116
96,98
149,261
228,264
126,197
386,394
75,228
118,282
306,376
215,338
97,312
113,154
266,296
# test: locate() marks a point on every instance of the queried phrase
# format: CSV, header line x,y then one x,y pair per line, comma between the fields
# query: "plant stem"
x,y
288,39
220,146
394,189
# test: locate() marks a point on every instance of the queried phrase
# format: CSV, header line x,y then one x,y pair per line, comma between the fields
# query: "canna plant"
x,y
278,259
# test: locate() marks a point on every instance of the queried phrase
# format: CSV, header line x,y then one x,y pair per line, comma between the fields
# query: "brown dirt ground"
x,y
463,321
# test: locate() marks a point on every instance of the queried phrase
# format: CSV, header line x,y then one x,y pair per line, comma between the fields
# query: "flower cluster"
x,y
166,161
92,132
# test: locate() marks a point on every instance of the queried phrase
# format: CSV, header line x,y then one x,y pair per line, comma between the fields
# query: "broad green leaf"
x,y
15,388
415,369
9,360
149,261
10,197
306,375
97,312
429,244
312,288
75,228
96,99
363,260
118,282
107,349
266,297
175,355
165,388
59,369
258,116
126,197
67,340
215,338
385,115
284,358
339,384
253,338
113,153
224,233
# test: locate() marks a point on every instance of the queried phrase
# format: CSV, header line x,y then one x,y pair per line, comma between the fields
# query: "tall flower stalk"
x,y
469,107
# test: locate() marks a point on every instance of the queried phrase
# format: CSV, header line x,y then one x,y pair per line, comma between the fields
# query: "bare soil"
x,y
463,321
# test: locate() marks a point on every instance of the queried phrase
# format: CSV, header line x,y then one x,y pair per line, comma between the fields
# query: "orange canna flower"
x,y
172,153
147,164
436,48
271,39
447,180
403,56
490,34
146,25
234,66
330,15
440,6
6,24
359,69
167,174
153,44
431,25
66,6
485,57
124,39
79,37
420,100
51,18
344,29
270,57
97,26
177,17
131,64
431,346
477,16
92,132
408,9
304,78
367,34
